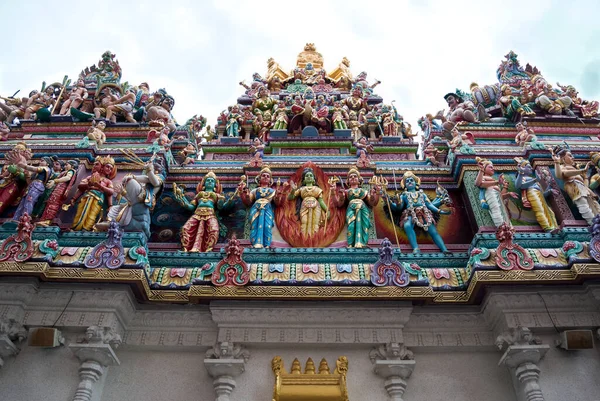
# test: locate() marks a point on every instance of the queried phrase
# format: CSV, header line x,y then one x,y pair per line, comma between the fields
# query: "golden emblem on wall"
x,y
312,385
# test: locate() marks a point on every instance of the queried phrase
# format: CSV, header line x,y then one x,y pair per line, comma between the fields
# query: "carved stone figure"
x,y
77,95
60,187
311,207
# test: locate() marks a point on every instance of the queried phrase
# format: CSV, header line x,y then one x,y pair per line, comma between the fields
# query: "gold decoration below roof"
x,y
310,385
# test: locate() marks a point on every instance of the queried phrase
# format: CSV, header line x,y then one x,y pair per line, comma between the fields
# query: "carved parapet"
x,y
11,333
312,385
232,270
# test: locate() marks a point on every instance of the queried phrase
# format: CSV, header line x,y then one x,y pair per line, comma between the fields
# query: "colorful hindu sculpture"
x,y
418,210
56,168
234,122
430,154
189,154
311,209
201,232
261,214
339,117
264,101
136,198
77,95
93,194
280,117
38,101
4,131
459,111
122,106
104,100
594,182
533,196
575,182
42,173
96,132
490,194
359,200
460,144
390,125
526,136
511,106
547,99
13,179
589,109
60,187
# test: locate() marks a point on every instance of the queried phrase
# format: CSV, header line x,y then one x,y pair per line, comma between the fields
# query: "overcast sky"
x,y
200,50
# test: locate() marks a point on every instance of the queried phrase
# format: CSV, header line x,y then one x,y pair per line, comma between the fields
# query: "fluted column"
x,y
522,355
224,362
96,352
394,363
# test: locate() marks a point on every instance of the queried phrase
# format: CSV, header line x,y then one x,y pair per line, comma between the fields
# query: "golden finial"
x,y
324,367
296,368
277,365
309,369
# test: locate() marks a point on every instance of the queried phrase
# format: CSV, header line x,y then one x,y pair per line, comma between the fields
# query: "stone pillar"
x,y
394,363
224,362
11,333
95,352
522,355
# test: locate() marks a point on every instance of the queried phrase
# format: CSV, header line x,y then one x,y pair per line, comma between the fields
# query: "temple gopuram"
x,y
311,245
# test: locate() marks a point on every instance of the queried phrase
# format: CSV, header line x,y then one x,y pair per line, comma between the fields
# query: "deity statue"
x,y
201,232
430,154
13,179
526,136
234,121
257,83
160,108
390,126
339,116
363,147
361,82
107,97
77,95
356,101
358,214
264,101
189,154
258,152
588,109
548,99
39,101
418,210
595,178
96,132
37,185
60,187
261,213
460,144
10,105
575,182
56,168
93,193
355,126
511,106
281,118
533,196
262,124
136,199
4,131
490,194
122,106
309,203
460,111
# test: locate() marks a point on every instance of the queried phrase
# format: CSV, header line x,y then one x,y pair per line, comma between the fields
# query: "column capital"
x,y
394,363
98,345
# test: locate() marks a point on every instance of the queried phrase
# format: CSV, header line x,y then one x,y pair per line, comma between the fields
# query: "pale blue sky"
x,y
199,51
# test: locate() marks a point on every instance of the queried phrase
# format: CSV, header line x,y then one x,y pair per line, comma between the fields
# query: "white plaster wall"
x,y
570,375
158,376
256,384
39,374
464,376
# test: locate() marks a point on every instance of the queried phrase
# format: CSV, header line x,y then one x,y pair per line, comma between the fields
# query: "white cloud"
x,y
200,51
